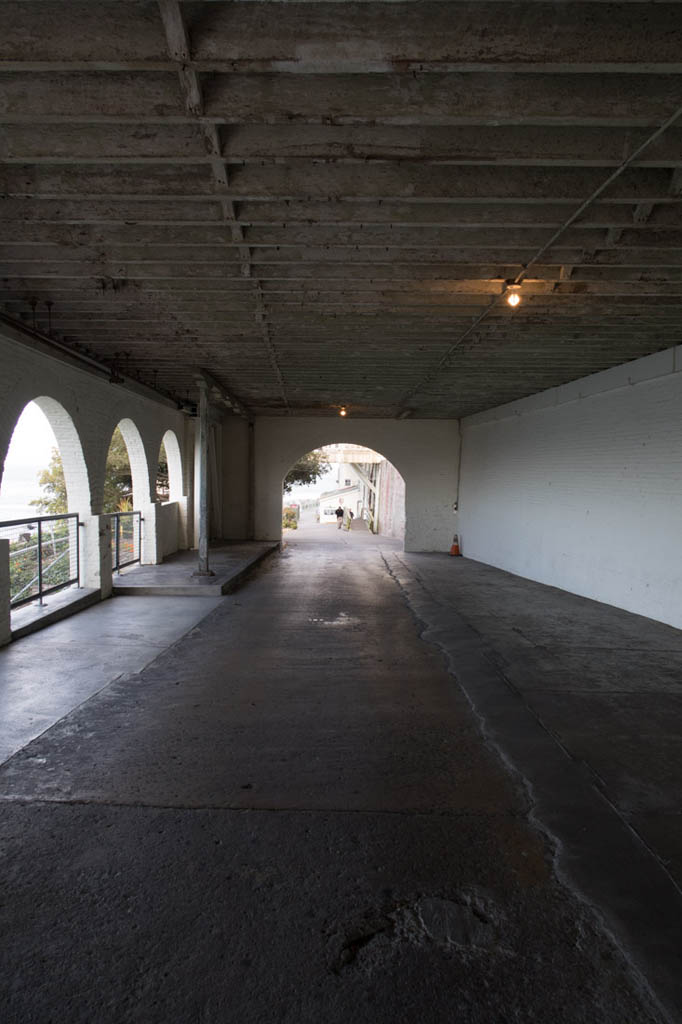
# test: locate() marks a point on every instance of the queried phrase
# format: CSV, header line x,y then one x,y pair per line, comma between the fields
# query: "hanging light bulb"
x,y
343,411
513,298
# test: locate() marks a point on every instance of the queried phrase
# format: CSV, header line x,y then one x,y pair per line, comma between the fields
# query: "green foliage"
x,y
56,560
162,485
53,502
290,518
118,482
307,470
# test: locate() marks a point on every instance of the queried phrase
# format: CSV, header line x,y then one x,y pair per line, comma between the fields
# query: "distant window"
x,y
328,512
346,483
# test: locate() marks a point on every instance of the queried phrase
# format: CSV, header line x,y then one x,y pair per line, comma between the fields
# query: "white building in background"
x,y
366,484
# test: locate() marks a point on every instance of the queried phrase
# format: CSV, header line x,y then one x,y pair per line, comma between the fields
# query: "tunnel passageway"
x,y
292,815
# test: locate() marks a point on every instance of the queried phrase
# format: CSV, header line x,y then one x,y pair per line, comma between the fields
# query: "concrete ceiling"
x,y
320,202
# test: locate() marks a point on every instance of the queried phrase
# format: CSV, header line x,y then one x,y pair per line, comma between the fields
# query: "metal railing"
x,y
126,541
44,556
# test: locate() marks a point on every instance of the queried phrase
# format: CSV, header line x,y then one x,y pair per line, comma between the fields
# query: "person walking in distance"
x,y
339,517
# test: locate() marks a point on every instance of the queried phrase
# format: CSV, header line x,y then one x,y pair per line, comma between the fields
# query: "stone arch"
x,y
423,451
137,457
174,456
386,505
71,451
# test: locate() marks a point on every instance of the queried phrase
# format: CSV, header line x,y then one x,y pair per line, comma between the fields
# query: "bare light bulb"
x,y
342,411
513,298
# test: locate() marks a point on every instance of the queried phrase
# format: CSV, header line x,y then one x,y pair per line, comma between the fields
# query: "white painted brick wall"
x,y
94,408
580,487
423,451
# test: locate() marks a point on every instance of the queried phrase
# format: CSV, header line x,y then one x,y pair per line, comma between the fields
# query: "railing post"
x,y
116,521
78,552
40,563
5,628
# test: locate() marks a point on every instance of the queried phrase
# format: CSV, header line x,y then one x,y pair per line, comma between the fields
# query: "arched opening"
x,y
347,487
126,484
169,472
44,489
126,489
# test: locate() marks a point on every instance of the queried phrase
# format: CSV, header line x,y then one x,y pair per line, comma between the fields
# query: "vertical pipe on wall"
x,y
251,483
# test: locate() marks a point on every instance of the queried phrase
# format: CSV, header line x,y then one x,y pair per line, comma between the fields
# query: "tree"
x,y
307,470
118,481
162,478
53,502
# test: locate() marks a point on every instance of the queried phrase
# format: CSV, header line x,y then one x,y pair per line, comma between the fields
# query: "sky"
x,y
300,492
29,452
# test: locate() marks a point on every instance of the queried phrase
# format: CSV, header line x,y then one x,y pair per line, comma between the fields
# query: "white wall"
x,y
581,487
425,453
83,410
168,529
94,406
392,501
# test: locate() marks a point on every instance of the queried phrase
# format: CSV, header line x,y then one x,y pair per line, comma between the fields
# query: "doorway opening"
x,y
45,493
343,487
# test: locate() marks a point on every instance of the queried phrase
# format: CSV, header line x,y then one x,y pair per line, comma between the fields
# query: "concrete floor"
x,y
292,814
45,676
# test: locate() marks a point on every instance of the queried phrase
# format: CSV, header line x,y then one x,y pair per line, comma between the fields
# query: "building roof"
x,y
339,491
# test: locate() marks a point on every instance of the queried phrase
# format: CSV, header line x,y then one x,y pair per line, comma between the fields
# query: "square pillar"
x,y
151,542
96,552
5,628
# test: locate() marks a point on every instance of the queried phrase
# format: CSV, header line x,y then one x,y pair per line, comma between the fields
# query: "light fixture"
x,y
513,297
343,411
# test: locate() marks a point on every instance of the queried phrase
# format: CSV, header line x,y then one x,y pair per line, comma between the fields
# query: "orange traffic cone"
x,y
454,550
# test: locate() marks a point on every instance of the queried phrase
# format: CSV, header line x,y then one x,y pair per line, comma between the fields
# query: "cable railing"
x,y
126,541
44,556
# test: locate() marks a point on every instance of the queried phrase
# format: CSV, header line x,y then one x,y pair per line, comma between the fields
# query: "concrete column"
x,y
183,523
5,629
251,484
96,554
204,427
151,542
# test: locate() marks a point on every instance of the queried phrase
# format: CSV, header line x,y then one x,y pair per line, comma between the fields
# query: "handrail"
x,y
37,519
19,566
117,517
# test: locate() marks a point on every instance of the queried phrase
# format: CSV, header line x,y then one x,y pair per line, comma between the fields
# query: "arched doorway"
x,y
169,474
346,485
126,491
423,451
44,492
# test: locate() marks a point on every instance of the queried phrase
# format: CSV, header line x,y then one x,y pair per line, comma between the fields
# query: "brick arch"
x,y
390,499
423,451
174,456
137,457
70,448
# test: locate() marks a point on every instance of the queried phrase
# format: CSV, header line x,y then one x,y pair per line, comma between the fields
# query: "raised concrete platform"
x,y
231,564
32,617
44,677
